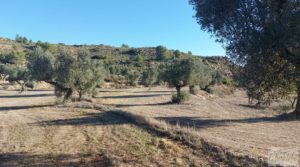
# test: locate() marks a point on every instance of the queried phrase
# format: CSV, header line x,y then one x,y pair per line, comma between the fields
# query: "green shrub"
x,y
210,90
149,77
132,78
218,78
193,90
125,46
139,61
225,82
161,53
180,98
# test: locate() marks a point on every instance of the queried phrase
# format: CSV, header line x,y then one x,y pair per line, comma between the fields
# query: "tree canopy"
x,y
161,52
260,31
66,72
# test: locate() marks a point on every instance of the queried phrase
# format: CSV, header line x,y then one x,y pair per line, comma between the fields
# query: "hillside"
x,y
123,55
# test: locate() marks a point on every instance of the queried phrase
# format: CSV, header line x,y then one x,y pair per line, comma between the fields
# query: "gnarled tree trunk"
x,y
192,89
68,94
80,95
297,110
178,89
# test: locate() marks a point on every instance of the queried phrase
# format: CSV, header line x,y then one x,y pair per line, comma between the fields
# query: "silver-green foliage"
x,y
149,77
182,72
181,98
177,73
82,74
258,34
41,65
200,73
66,72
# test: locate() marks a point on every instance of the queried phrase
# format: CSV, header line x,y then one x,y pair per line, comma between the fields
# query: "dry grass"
x,y
141,128
228,121
186,136
82,134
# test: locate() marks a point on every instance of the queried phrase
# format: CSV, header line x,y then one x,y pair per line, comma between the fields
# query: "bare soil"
x,y
34,132
226,121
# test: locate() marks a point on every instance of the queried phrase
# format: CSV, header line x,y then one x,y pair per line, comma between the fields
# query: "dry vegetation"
x,y
131,130
46,135
227,121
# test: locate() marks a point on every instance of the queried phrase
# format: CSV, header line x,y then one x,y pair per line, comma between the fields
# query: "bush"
x,y
21,39
200,73
210,90
193,90
14,57
218,78
132,52
132,78
180,98
227,82
139,61
161,53
47,46
125,46
149,77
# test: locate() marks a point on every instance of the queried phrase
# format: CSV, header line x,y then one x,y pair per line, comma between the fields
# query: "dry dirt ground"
x,y
34,133
226,121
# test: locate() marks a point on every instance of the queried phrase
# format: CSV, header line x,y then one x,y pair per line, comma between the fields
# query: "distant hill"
x,y
119,55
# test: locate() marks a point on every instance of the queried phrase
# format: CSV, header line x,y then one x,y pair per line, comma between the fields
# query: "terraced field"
x,y
36,132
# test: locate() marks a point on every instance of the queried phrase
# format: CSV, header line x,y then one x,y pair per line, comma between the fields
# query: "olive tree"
x,y
88,74
149,77
16,74
177,54
13,69
66,72
200,74
80,73
176,73
259,31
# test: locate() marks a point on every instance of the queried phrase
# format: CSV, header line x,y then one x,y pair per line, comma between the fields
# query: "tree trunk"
x,y
297,111
68,94
68,91
149,86
80,96
192,89
293,101
55,84
178,89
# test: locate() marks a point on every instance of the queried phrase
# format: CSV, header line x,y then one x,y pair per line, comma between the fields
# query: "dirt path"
x,y
227,121
34,134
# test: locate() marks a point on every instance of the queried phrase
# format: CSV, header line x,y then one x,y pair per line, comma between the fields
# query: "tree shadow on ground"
x,y
108,91
7,108
136,105
40,90
255,107
47,160
149,91
24,96
132,96
94,119
198,122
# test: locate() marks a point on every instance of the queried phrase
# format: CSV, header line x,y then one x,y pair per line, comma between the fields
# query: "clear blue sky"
x,y
112,22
